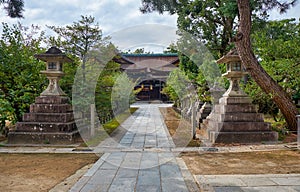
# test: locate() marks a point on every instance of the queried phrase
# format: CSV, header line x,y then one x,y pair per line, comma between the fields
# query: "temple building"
x,y
150,70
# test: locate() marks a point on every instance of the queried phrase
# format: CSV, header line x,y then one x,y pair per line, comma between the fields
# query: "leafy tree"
x,y
176,87
19,71
79,38
104,88
192,14
257,72
276,43
210,21
13,8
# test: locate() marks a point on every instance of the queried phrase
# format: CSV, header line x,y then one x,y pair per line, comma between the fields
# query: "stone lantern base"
x,y
235,120
50,121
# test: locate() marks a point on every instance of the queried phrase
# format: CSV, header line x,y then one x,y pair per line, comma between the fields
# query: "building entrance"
x,y
151,90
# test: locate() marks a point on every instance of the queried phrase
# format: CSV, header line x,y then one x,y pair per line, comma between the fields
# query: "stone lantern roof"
x,y
53,53
231,56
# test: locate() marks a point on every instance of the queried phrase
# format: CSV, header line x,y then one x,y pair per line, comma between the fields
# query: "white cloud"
x,y
294,12
112,15
153,36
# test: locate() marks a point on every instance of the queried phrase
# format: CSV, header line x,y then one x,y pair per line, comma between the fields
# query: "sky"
x,y
114,18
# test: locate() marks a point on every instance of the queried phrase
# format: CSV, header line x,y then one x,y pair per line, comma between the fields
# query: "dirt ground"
x,y
276,162
39,172
271,162
179,128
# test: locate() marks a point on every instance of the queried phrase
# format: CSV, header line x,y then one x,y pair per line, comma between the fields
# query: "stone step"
x,y
43,138
243,137
50,108
236,108
45,127
237,117
48,117
239,126
52,100
235,100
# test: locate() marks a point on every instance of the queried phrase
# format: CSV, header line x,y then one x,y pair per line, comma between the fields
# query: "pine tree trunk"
x,y
250,62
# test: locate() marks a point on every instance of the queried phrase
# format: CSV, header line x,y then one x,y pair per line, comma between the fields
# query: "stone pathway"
x,y
250,183
141,161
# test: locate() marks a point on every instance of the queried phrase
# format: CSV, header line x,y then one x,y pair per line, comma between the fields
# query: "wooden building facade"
x,y
150,70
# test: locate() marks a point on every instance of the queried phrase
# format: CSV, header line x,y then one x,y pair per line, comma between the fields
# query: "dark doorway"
x,y
151,90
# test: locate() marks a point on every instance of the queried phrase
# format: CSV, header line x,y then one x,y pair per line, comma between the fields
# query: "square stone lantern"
x,y
50,119
235,119
234,72
54,59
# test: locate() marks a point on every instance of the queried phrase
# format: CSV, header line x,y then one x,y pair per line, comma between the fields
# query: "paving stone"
x,y
127,173
103,176
88,188
126,141
170,170
80,184
254,181
109,165
286,180
94,168
148,177
296,188
132,160
174,184
138,144
220,181
148,188
228,189
268,189
139,139
149,160
123,184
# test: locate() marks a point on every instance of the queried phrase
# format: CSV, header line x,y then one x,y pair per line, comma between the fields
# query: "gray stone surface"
x,y
250,183
141,161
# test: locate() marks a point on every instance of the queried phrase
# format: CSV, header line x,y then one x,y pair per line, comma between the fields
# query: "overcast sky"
x,y
113,16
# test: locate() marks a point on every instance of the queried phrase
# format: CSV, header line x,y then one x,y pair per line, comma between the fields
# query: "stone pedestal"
x,y
50,121
235,120
203,113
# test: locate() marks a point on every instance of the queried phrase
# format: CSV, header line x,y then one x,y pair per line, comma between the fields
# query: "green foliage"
x,y
277,46
188,66
104,87
176,87
114,91
122,93
19,71
264,101
79,39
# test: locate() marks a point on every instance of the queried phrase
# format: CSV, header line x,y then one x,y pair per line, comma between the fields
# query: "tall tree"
x,y
78,38
261,77
210,21
247,11
19,71
13,8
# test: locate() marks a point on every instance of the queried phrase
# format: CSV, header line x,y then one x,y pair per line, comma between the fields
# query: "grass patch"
x,y
108,128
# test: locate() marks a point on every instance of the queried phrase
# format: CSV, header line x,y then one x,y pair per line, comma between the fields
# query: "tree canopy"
x,y
220,23
19,71
13,8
